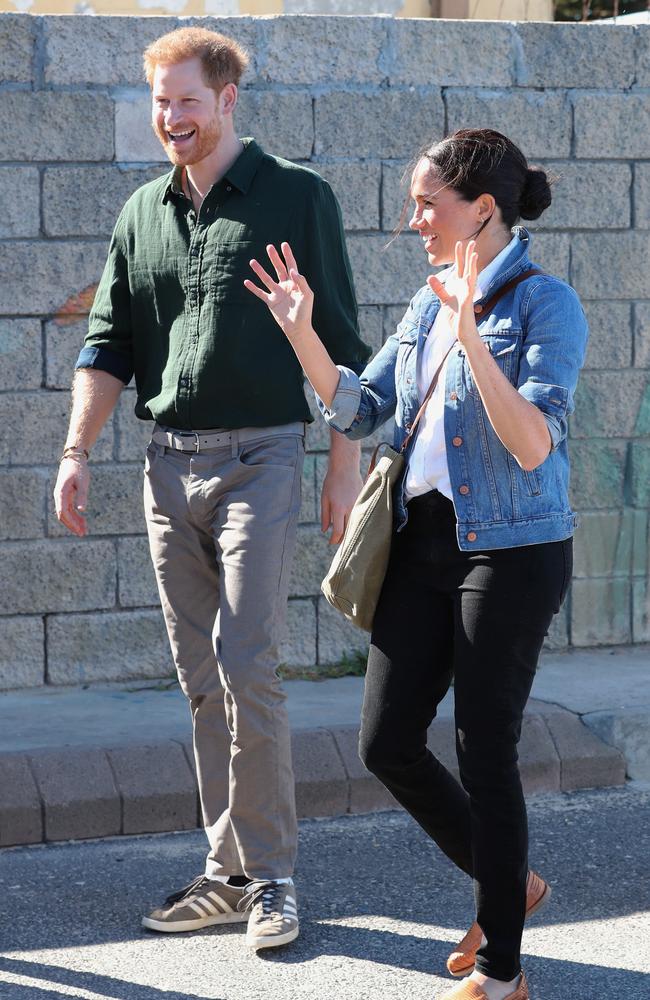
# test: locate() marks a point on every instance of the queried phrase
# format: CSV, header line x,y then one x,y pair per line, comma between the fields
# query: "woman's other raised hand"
x,y
289,299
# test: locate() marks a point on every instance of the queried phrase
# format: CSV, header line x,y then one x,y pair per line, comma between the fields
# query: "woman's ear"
x,y
486,205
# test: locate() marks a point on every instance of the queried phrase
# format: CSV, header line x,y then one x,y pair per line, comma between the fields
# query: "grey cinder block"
x,y
367,794
538,122
452,53
321,781
49,277
612,126
17,38
349,50
78,793
19,216
56,575
567,55
587,762
34,120
107,647
157,788
355,124
43,421
21,820
22,652
600,611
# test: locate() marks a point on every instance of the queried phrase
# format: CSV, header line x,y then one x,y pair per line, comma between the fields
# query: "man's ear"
x,y
228,99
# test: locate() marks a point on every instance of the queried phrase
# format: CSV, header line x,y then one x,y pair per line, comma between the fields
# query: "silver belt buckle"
x,y
197,442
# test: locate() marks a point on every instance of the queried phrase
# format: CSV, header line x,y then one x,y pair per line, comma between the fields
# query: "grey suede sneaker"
x,y
200,904
273,918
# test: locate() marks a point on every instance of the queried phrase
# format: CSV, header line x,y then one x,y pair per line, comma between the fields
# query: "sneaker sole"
x,y
178,926
274,940
541,902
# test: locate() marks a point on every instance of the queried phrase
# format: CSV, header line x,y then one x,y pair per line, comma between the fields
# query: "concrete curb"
x,y
81,792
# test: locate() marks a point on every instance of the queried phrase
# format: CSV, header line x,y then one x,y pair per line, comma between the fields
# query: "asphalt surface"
x,y
379,906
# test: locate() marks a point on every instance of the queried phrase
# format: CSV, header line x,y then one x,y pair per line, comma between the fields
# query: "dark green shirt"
x,y
172,309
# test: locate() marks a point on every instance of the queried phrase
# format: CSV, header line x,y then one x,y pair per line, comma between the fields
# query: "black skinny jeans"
x,y
481,618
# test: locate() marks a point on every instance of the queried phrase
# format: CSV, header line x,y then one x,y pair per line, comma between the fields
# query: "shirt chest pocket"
x,y
505,350
228,264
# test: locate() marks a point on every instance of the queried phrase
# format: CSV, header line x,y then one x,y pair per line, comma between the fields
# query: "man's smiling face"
x,y
185,112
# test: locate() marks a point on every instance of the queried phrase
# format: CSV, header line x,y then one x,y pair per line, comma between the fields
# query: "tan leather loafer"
x,y
469,990
462,959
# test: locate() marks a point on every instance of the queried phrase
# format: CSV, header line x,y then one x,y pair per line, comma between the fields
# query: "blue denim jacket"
x,y
537,334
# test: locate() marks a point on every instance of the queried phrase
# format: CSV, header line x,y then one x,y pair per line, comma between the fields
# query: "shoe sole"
x,y
273,941
541,902
178,926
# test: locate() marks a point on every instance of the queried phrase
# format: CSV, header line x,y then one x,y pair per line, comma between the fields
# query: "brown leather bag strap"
x,y
486,308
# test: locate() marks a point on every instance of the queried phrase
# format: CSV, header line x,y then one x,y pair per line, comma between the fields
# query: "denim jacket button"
x,y
452,395
463,489
457,441
471,536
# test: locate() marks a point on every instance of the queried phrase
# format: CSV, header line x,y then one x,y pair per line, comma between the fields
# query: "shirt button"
x,y
452,395
457,443
194,251
184,382
463,489
471,536
228,188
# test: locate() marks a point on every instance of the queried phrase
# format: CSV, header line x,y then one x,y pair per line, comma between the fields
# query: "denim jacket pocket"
x,y
405,346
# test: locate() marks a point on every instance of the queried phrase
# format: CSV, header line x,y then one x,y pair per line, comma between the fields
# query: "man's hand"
x,y
340,489
71,494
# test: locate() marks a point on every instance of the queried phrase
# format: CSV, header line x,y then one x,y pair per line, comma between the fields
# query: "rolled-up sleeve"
x,y
344,408
108,344
553,353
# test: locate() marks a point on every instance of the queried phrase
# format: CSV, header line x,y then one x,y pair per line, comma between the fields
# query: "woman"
x,y
482,552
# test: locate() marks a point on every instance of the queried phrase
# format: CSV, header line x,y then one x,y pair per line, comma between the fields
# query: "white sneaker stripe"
x,y
211,909
220,902
194,905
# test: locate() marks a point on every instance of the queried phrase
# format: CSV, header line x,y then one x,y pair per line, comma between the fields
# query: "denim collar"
x,y
516,262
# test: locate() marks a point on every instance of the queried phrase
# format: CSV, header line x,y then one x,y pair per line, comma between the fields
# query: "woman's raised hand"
x,y
289,299
457,295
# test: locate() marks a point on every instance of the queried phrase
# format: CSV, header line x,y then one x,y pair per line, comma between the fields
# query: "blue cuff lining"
x,y
106,360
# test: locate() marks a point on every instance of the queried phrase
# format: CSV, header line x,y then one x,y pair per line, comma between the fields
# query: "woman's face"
x,y
441,216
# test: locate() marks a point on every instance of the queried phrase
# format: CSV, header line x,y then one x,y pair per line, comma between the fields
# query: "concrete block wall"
x,y
353,98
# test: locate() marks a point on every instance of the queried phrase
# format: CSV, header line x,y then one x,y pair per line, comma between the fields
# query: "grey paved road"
x,y
379,910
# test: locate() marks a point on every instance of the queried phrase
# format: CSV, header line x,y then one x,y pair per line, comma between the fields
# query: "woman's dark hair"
x,y
476,161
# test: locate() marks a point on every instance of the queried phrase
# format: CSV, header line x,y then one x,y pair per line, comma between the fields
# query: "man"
x,y
222,476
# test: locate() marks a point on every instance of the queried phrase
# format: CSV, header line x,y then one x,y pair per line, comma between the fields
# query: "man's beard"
x,y
207,141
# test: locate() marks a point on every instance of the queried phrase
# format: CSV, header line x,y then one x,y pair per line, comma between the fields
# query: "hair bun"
x,y
536,194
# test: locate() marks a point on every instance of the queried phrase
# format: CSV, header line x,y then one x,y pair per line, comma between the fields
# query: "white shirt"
x,y
427,468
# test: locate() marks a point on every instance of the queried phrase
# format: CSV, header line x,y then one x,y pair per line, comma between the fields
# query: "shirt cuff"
x,y
345,405
552,401
106,360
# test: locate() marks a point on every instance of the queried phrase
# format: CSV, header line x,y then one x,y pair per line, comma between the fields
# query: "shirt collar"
x,y
515,250
490,271
240,174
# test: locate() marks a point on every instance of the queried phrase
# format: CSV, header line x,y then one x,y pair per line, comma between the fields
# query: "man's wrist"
x,y
75,451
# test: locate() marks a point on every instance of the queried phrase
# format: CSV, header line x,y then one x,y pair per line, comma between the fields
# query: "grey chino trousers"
x,y
222,529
